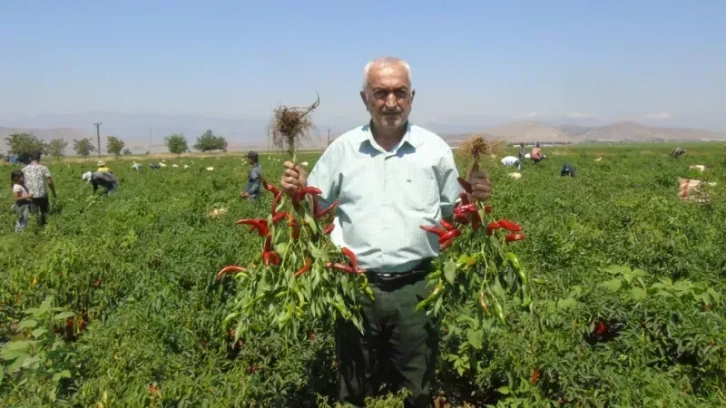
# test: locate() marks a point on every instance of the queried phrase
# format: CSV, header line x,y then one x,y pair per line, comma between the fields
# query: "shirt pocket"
x,y
419,188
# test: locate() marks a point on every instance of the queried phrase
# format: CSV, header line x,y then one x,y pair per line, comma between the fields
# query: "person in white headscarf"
x,y
102,178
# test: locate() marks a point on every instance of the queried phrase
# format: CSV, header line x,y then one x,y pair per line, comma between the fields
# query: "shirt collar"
x,y
410,137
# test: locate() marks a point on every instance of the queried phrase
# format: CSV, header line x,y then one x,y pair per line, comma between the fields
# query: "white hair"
x,y
384,62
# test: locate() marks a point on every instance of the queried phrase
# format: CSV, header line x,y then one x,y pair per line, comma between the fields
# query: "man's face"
x,y
388,96
250,161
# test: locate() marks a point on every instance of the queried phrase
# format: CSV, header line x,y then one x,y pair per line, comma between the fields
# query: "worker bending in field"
x,y
537,155
510,161
567,170
102,178
254,180
678,152
384,197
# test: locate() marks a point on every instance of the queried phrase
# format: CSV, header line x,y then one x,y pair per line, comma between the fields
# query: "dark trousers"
x,y
40,205
399,348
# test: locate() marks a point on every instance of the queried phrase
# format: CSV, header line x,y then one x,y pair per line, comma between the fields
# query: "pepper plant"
x,y
301,281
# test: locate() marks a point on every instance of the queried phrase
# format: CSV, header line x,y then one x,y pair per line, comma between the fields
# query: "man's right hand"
x,y
293,178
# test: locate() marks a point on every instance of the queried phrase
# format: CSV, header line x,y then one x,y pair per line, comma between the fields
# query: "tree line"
x,y
23,145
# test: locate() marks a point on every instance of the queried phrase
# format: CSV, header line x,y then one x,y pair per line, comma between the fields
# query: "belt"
x,y
418,271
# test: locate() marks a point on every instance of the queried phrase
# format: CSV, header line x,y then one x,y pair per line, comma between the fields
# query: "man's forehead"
x,y
388,76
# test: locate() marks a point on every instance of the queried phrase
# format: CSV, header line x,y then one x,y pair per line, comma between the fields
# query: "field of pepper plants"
x,y
117,303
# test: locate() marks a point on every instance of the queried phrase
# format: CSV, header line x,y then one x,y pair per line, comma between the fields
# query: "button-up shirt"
x,y
384,196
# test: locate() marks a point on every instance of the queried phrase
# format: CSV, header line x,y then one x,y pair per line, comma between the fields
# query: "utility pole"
x,y
328,137
150,133
98,136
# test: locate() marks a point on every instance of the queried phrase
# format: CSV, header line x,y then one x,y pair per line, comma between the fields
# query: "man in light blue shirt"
x,y
390,177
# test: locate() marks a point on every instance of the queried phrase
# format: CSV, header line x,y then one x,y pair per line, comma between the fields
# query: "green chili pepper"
x,y
500,311
437,291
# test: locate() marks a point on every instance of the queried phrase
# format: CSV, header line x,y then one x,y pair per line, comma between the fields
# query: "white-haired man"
x,y
390,177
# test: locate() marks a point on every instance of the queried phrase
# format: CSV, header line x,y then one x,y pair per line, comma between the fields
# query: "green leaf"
x,y
503,390
475,338
39,332
18,363
31,362
17,345
715,295
27,324
63,315
612,285
311,223
616,269
566,303
62,374
2,374
450,271
638,293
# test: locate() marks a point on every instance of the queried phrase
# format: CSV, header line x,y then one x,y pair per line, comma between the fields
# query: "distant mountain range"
x,y
145,131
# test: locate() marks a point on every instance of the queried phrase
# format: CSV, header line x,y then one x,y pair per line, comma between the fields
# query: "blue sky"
x,y
610,60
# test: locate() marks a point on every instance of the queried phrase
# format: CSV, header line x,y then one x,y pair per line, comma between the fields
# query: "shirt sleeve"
x,y
46,172
325,177
449,187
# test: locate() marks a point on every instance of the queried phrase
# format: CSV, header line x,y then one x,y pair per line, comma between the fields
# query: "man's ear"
x,y
364,99
413,93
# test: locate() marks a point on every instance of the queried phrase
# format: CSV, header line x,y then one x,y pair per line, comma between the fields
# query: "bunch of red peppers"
x,y
303,281
475,263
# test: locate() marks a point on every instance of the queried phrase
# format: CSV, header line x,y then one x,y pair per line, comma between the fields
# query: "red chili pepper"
x,y
510,225
446,244
447,225
305,268
271,258
323,213
351,258
487,209
535,376
97,282
300,194
464,184
69,323
153,390
430,228
328,229
270,187
514,237
343,267
461,219
253,369
601,328
268,244
260,224
475,220
311,335
449,235
464,198
491,227
292,223
278,217
275,201
465,208
228,269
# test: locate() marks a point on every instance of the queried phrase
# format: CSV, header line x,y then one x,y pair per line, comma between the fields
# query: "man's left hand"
x,y
481,187
244,195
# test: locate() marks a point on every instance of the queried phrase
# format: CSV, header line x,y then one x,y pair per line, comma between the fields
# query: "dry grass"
x,y
477,146
290,127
